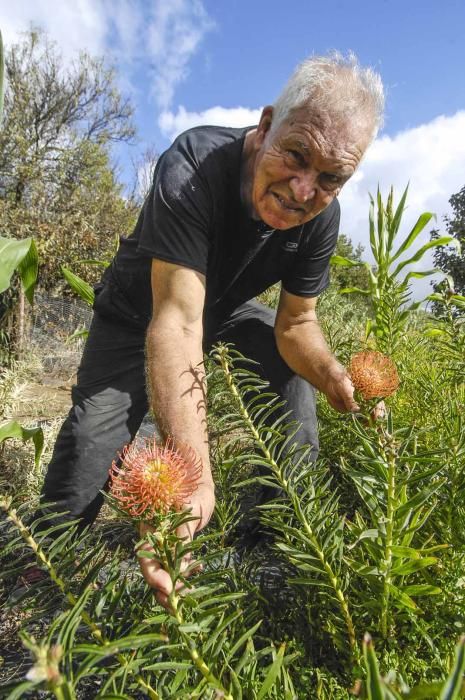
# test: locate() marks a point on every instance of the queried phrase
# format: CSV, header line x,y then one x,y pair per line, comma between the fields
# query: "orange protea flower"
x,y
373,374
149,480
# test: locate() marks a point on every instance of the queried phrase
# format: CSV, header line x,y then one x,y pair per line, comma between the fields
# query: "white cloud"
x,y
171,124
431,157
164,34
176,29
76,26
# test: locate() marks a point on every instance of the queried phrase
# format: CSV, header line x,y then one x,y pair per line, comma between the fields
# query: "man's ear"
x,y
264,125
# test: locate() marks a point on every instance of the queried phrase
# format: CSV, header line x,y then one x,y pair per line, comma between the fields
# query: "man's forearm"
x,y
177,387
304,349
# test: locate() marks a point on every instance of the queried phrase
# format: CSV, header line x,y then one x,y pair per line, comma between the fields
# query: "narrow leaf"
x,y
78,285
374,688
28,269
344,262
422,589
413,565
453,685
272,674
12,252
445,240
422,221
13,429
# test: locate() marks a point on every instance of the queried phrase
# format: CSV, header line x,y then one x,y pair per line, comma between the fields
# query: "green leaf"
x,y
402,551
445,240
374,688
370,534
77,335
78,285
13,429
397,218
28,270
422,221
419,274
402,598
344,262
422,589
273,673
2,77
20,690
418,500
351,290
453,685
414,565
371,219
168,666
247,635
425,691
125,643
12,253
380,260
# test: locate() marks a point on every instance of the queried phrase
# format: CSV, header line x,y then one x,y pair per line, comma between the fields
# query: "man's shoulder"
x,y
199,142
205,158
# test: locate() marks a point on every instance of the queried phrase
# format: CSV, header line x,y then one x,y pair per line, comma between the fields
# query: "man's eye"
x,y
330,181
296,156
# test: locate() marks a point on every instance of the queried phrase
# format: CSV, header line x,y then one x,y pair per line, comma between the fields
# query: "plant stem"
x,y
176,612
283,482
72,600
60,695
391,487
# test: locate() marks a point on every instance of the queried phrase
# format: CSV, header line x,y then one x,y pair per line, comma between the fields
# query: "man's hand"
x,y
202,504
340,390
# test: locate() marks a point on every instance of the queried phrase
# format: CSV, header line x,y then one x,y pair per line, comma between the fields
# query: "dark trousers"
x,y
110,402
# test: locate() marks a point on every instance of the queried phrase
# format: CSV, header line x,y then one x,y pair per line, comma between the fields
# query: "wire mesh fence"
x,y
57,332
56,336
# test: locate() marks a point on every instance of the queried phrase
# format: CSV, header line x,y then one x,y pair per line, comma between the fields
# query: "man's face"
x,y
302,167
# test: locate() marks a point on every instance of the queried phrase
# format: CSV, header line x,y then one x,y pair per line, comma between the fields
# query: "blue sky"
x,y
186,62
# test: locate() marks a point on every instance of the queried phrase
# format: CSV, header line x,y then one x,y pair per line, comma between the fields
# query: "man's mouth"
x,y
286,204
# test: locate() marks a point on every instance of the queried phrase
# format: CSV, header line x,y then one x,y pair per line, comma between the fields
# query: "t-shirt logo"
x,y
291,246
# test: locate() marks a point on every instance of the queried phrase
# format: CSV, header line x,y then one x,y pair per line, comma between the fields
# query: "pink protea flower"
x,y
150,479
373,374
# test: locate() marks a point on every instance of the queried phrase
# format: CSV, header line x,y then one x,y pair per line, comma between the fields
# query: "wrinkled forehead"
x,y
335,126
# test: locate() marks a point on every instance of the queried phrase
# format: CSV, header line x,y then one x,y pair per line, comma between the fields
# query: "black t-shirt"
x,y
194,217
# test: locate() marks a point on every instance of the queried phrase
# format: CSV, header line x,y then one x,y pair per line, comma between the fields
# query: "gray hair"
x,y
334,86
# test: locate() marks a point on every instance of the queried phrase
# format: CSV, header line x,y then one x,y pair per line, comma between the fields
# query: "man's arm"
x,y
303,347
175,358
177,386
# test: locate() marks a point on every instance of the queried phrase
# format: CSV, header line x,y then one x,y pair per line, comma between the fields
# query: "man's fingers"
x,y
348,396
379,411
350,404
162,598
155,575
186,531
153,572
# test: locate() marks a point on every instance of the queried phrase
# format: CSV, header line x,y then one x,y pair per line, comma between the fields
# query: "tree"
x,y
143,171
57,181
448,259
53,111
342,277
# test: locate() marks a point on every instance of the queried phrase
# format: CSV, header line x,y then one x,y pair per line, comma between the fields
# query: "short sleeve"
x,y
309,275
178,212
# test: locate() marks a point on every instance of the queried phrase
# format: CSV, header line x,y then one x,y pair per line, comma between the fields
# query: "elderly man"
x,y
231,212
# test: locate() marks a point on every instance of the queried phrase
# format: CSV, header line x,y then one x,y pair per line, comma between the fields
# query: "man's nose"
x,y
304,185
